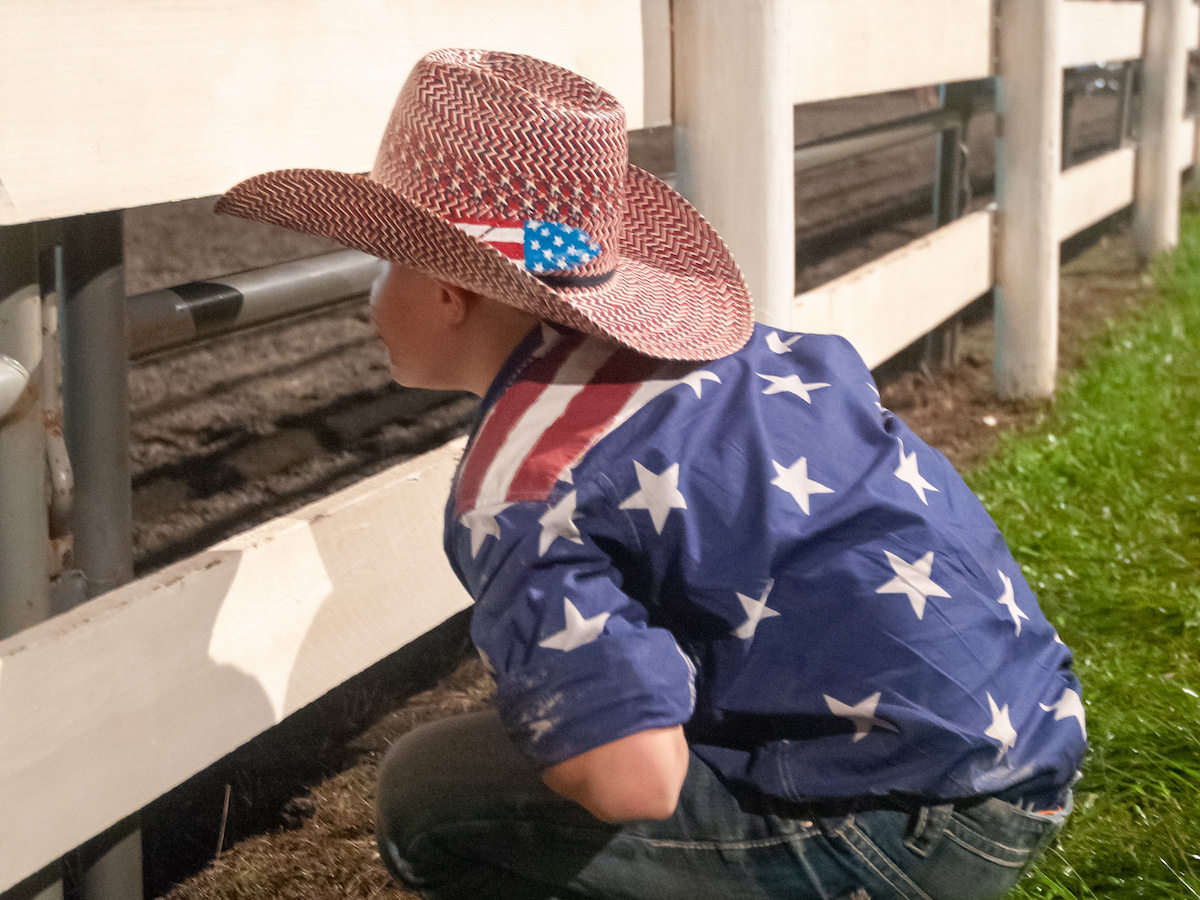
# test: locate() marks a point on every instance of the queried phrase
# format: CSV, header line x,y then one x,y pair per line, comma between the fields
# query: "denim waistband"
x,y
1025,796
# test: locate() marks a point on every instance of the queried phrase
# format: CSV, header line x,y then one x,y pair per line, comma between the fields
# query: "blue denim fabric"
x,y
461,815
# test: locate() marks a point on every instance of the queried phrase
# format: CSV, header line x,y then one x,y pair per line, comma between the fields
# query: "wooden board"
x,y
656,44
844,48
1101,32
107,707
116,103
1092,190
884,306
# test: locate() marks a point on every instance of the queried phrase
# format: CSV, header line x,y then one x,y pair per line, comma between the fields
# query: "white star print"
x,y
878,396
558,242
796,482
1001,728
482,522
756,611
559,522
912,579
577,630
535,245
779,345
695,380
862,714
791,384
659,494
1068,706
1009,600
908,472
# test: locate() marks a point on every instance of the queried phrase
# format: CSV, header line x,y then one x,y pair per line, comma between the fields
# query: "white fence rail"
x,y
114,103
110,104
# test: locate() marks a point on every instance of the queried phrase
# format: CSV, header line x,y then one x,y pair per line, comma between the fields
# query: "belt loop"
x,y
928,826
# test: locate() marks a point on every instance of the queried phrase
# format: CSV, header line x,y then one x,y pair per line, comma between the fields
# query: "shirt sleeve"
x,y
576,660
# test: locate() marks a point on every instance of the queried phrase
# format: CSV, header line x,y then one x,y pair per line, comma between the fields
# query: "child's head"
x,y
440,335
508,178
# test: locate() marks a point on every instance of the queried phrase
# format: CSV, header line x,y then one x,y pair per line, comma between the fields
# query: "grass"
x,y
1101,506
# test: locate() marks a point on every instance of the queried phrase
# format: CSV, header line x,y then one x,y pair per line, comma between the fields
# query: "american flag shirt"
x,y
756,549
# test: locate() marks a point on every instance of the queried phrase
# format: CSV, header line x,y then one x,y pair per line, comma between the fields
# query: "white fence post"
x,y
1028,159
1159,161
734,136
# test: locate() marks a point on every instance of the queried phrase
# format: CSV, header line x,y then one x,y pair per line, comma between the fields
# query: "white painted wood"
x,y
1191,28
734,136
1157,187
656,50
1092,190
116,103
108,706
887,304
844,48
1028,158
1101,32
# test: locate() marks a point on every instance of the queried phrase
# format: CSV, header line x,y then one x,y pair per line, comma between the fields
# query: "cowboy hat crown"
x,y
509,176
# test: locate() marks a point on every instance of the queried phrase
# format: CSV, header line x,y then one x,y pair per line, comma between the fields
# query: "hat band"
x,y
569,281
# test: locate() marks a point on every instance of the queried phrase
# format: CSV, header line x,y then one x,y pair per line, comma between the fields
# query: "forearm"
x,y
634,778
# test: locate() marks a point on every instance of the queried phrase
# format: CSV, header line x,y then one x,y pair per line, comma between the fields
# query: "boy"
x,y
751,637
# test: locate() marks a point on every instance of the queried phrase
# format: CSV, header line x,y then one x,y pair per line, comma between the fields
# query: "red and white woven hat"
x,y
509,176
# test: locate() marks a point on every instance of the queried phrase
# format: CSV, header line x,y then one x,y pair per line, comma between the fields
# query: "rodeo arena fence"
x,y
114,104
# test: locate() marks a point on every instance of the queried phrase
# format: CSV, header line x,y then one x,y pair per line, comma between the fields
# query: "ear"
x,y
454,303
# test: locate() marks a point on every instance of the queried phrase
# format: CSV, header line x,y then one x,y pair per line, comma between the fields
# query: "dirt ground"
x,y
239,430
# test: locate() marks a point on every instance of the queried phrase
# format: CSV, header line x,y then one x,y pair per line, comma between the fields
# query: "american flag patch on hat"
x,y
537,245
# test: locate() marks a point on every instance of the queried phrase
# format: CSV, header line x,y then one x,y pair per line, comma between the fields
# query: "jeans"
x,y
462,815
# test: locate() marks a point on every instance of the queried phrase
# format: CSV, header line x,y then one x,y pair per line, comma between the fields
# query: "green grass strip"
x,y
1101,506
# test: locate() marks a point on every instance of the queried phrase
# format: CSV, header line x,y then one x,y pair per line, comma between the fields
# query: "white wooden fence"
x,y
115,103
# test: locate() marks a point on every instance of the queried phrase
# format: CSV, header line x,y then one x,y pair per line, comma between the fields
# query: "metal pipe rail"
x,y
820,152
173,317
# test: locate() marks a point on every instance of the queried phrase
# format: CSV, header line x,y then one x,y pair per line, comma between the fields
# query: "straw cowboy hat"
x,y
509,176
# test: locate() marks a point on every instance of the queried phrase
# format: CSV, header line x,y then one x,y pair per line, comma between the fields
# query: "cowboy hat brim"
x,y
676,292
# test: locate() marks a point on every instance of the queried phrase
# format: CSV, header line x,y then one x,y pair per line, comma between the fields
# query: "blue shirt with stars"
x,y
756,549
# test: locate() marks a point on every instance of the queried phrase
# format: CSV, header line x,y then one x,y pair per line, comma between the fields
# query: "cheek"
x,y
387,319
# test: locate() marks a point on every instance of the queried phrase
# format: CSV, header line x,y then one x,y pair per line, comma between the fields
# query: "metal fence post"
x,y
941,344
24,529
1028,161
1160,158
735,136
96,413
